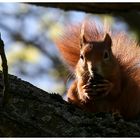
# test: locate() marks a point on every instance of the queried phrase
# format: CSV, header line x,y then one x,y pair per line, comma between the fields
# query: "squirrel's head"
x,y
95,56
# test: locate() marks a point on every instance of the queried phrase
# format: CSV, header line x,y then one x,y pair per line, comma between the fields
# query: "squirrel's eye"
x,y
106,55
81,57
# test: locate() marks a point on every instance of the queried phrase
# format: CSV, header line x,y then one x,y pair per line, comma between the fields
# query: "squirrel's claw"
x,y
97,90
103,88
89,90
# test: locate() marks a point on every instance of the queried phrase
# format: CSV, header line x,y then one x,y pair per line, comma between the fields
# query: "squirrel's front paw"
x,y
89,91
102,89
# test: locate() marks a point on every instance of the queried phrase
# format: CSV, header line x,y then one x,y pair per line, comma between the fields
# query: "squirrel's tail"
x,y
68,45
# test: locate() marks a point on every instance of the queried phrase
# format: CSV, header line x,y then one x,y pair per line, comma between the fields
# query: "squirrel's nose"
x,y
93,71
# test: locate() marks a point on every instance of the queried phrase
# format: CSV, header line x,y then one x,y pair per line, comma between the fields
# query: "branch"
x,y
34,112
5,73
98,8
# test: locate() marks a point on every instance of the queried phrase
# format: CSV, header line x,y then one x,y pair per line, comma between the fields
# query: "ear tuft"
x,y
108,40
83,40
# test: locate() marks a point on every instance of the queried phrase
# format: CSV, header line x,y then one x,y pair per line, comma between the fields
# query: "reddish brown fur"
x,y
127,54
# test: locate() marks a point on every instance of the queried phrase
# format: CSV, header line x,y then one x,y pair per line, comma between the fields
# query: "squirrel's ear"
x,y
83,40
108,40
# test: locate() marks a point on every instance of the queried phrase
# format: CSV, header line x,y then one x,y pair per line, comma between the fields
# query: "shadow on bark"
x,y
32,112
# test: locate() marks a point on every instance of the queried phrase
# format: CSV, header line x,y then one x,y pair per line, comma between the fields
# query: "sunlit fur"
x,y
125,51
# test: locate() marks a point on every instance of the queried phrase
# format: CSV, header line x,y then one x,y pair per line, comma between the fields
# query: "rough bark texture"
x,y
33,112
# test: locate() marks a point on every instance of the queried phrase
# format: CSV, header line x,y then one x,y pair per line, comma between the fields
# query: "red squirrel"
x,y
106,67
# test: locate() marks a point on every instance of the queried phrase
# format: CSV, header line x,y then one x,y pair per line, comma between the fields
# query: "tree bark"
x,y
32,112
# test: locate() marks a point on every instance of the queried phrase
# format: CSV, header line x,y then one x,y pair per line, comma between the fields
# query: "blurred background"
x,y
29,32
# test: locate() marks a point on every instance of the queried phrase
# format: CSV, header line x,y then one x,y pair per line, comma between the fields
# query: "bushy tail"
x,y
68,45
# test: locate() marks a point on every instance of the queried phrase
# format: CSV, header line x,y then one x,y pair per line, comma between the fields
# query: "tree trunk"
x,y
33,112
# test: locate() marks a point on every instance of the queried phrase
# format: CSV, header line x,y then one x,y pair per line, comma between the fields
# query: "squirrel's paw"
x,y
103,88
89,91
97,90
